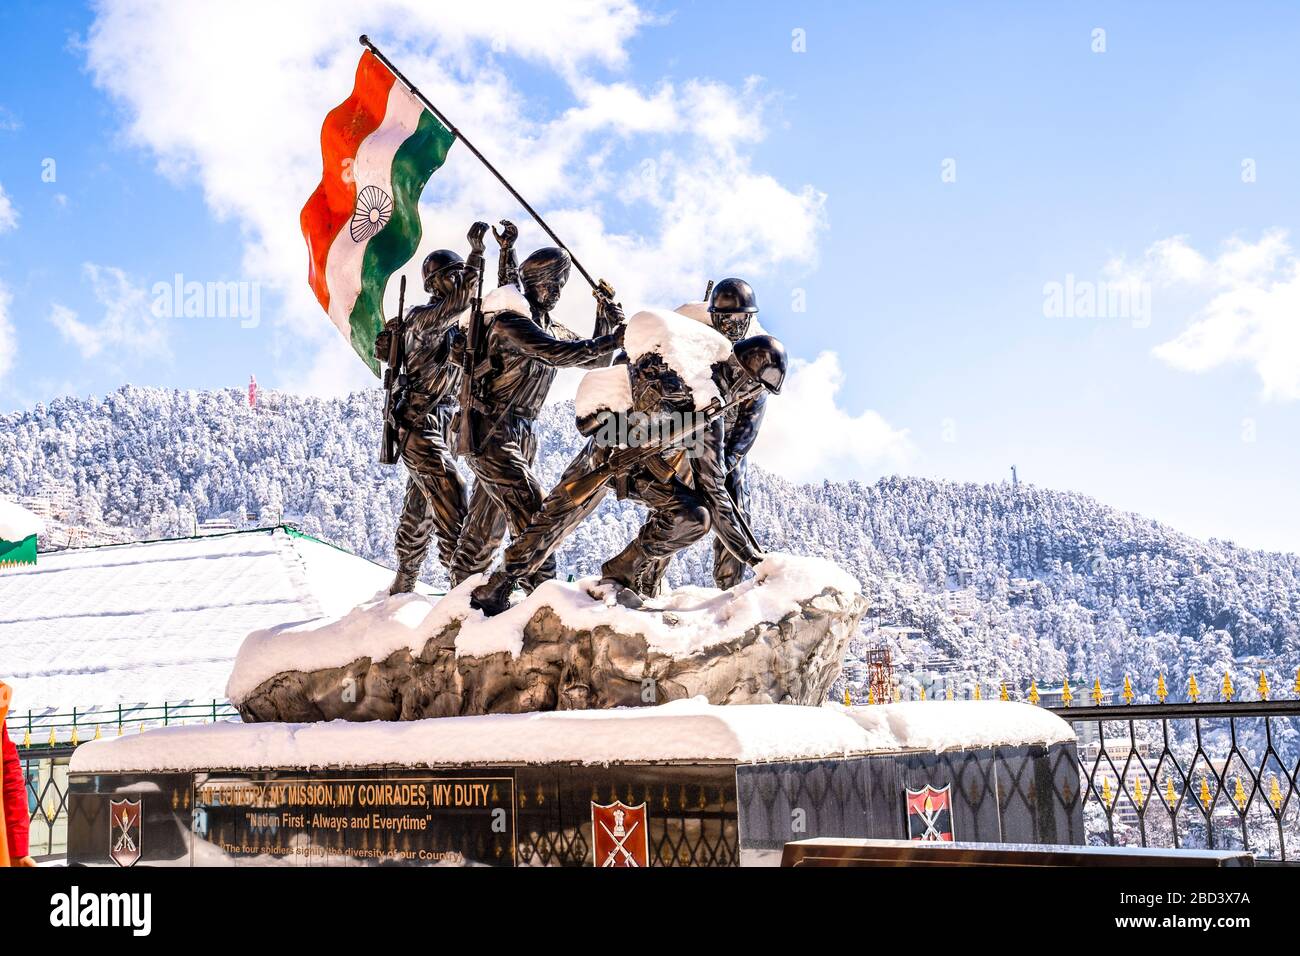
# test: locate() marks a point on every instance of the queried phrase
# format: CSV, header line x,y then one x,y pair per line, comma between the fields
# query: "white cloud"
x,y
8,337
807,436
128,329
1246,307
673,155
8,214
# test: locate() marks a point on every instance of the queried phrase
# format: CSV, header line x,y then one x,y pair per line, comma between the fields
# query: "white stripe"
x,y
373,167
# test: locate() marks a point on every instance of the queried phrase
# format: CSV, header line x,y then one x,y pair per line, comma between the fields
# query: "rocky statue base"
x,y
778,638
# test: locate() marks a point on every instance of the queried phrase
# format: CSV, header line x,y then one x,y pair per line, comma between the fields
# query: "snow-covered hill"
x,y
1001,582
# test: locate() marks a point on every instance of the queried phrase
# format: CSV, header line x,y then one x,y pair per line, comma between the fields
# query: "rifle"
x,y
580,490
465,440
394,380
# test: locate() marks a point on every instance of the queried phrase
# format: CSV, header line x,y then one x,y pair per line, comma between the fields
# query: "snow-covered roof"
x,y
684,730
679,624
689,348
162,621
17,523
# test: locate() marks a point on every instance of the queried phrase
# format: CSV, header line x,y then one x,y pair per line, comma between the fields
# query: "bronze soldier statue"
x,y
520,356
680,478
423,409
732,308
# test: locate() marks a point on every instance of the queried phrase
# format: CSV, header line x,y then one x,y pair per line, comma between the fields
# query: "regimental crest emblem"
x,y
124,831
374,209
929,814
619,834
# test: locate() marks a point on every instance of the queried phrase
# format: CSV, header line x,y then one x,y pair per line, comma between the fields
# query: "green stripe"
x,y
414,162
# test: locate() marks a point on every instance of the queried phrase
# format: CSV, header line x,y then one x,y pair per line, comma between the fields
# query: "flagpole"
x,y
365,42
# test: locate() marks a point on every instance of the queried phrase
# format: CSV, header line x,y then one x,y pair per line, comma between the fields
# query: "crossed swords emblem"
x,y
124,840
619,841
929,814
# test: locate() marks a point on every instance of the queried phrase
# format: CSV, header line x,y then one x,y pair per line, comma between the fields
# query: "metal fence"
x,y
1158,775
1180,774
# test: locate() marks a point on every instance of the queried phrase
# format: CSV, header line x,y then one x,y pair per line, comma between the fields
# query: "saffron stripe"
x,y
345,128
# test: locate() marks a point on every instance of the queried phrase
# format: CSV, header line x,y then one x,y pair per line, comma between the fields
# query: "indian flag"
x,y
379,147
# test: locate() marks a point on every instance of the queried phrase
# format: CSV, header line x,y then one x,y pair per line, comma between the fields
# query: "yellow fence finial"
x,y
99,731
1193,692
1138,797
977,691
1171,798
1161,690
1128,690
1097,695
1296,688
1262,687
948,693
1228,689
53,740
1239,795
1002,694
848,701
871,695
1274,793
1205,793
27,738
922,692
1107,798
898,694
1067,696
1033,692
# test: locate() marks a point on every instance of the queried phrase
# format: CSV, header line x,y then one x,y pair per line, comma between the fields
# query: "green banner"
x,y
18,552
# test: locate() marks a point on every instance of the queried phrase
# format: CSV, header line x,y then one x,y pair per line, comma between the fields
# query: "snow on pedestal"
x,y
777,638
684,730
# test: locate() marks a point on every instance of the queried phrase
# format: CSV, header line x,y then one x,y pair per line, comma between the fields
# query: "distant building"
x,y
159,621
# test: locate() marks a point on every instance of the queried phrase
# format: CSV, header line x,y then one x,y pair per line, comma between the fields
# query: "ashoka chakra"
x,y
374,209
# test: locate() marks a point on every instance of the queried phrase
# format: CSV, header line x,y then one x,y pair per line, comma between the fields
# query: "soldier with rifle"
x,y
732,308
511,359
685,492
422,382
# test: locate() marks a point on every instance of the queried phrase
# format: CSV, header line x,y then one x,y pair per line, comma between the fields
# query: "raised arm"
x,y
507,267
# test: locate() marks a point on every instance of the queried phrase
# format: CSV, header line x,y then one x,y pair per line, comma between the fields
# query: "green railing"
x,y
51,730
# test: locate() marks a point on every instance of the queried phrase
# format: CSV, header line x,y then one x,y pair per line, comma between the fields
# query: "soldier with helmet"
x,y
733,308
524,348
435,501
685,493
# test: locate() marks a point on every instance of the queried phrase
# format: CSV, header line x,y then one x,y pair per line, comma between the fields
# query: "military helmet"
x,y
733,295
438,261
763,359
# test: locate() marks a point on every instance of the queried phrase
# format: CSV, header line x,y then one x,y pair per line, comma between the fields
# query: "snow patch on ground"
x,y
684,730
17,523
678,624
943,725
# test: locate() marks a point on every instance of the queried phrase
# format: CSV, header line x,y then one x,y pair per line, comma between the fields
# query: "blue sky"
x,y
184,144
